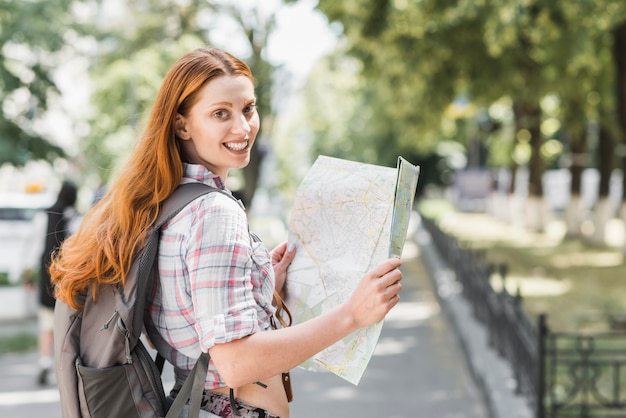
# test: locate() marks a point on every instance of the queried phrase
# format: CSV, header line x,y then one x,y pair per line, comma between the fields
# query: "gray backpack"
x,y
103,369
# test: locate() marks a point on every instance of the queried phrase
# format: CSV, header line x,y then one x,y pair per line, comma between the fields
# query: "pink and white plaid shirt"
x,y
215,282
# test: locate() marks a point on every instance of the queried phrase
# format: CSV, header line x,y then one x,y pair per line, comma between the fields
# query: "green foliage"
x,y
129,47
33,40
389,89
4,279
416,57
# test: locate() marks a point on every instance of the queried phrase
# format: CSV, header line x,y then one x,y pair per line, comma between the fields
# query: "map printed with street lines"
x,y
347,217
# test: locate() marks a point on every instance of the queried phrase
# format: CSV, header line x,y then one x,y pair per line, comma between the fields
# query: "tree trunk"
x,y
603,212
619,46
535,185
258,34
514,205
574,213
528,116
619,56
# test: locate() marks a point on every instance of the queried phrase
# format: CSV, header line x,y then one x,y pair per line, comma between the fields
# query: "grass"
x,y
4,279
581,287
18,343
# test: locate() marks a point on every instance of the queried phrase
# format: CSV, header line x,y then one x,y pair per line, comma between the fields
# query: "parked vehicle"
x,y
22,229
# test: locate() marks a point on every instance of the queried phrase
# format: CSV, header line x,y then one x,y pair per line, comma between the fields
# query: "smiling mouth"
x,y
237,146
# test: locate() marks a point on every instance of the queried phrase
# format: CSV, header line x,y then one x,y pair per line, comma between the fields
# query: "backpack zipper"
x,y
122,328
108,322
145,361
154,377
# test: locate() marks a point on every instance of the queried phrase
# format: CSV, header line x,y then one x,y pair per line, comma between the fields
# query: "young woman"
x,y
216,281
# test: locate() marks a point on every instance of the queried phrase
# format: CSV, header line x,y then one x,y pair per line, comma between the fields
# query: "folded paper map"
x,y
347,217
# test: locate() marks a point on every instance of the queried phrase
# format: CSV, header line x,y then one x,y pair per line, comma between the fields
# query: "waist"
x,y
267,400
221,405
270,396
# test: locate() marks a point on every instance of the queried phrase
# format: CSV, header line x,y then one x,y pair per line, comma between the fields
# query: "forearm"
x,y
269,353
266,354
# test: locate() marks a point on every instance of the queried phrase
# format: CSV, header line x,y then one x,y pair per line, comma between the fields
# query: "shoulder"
x,y
217,201
217,206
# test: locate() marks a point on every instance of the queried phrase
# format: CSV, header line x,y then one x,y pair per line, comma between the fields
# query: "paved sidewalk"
x,y
492,375
419,368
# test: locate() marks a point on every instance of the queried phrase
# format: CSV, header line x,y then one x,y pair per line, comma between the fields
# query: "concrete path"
x,y
418,368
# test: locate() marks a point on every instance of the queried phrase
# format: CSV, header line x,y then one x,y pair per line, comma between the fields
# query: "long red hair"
x,y
102,250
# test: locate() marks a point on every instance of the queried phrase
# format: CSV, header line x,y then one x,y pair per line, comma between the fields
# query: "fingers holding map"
x,y
347,217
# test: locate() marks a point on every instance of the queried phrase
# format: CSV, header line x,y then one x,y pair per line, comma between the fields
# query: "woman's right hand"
x,y
285,348
376,294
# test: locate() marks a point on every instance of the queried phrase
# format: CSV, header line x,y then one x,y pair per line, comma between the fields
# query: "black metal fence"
x,y
561,375
585,375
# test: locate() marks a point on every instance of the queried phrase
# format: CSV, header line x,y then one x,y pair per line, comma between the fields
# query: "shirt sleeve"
x,y
219,263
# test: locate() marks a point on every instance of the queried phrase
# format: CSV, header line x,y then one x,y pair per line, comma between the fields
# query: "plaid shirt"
x,y
215,281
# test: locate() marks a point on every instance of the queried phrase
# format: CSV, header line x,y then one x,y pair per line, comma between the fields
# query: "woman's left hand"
x,y
281,259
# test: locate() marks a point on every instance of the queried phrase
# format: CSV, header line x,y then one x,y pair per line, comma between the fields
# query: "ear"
x,y
180,127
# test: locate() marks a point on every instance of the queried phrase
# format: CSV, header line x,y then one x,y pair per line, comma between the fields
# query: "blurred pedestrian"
x,y
60,218
99,193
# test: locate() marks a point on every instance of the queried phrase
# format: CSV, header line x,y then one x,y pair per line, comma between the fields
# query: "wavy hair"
x,y
113,231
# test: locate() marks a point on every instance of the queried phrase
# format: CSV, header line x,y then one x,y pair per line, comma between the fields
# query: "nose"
x,y
241,125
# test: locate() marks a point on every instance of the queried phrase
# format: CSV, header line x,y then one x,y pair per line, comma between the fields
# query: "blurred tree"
x,y
618,51
417,57
619,56
34,38
608,133
139,43
584,77
409,72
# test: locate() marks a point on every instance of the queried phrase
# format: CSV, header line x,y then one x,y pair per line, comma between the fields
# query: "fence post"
x,y
541,384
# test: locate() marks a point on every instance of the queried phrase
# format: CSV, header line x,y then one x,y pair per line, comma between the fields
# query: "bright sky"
x,y
303,36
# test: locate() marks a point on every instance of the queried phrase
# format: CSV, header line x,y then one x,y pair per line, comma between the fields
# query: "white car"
x,y
22,229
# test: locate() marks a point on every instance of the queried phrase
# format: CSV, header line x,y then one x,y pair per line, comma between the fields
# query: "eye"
x,y
221,114
249,108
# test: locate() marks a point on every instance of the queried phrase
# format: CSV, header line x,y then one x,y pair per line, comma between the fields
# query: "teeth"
x,y
236,146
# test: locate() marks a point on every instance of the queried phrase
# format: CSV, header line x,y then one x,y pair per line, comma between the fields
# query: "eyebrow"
x,y
229,104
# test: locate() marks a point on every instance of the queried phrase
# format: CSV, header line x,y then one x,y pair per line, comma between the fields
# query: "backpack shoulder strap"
x,y
181,197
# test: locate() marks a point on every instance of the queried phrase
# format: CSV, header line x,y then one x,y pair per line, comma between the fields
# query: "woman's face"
x,y
221,126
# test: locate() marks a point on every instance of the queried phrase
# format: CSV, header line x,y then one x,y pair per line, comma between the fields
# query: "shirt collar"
x,y
199,173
